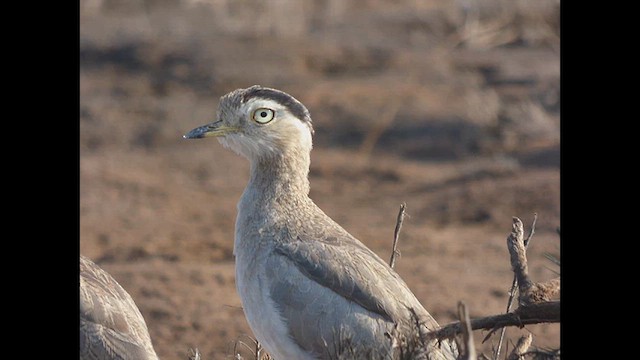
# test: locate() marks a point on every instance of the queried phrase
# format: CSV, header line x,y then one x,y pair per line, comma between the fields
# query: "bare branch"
x,y
514,283
530,292
544,354
535,306
544,312
515,243
396,234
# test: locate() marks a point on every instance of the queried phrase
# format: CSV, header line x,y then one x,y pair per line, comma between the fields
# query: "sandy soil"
x,y
451,109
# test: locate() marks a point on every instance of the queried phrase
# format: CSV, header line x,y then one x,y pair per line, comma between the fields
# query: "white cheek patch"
x,y
291,133
305,136
244,146
265,140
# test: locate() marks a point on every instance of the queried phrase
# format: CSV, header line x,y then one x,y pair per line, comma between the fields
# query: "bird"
x,y
308,288
111,325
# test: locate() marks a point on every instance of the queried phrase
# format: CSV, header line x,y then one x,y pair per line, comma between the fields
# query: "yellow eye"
x,y
263,115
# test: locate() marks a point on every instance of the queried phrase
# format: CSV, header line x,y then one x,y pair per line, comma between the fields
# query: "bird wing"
x,y
330,286
98,342
111,325
339,262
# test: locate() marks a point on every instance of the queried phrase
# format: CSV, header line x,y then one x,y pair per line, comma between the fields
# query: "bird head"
x,y
259,123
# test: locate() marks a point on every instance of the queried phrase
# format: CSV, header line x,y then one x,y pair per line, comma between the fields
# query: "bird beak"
x,y
216,128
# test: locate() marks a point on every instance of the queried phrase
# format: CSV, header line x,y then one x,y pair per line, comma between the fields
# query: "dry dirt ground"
x,y
451,107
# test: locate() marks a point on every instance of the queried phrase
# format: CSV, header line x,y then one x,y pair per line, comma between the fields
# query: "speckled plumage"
x,y
111,326
305,283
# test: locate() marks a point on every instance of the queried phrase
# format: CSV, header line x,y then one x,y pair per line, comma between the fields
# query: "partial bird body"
x,y
111,325
307,286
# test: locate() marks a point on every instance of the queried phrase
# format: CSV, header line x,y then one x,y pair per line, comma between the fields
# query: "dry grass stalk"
x,y
467,349
396,234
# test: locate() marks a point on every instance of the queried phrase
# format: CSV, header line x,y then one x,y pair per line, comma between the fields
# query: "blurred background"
x,y
450,106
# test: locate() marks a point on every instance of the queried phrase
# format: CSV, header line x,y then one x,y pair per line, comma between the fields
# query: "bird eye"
x,y
263,115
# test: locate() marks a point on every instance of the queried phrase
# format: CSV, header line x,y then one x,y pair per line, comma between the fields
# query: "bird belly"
x,y
310,320
263,317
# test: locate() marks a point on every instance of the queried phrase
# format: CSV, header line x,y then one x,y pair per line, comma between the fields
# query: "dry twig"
x,y
529,291
468,351
396,234
545,312
514,283
535,306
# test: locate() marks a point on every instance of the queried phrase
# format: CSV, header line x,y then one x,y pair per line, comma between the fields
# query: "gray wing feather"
x,y
339,274
366,299
366,302
341,263
318,319
100,342
111,325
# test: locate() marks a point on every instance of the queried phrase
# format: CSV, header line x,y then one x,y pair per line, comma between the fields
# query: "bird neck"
x,y
281,176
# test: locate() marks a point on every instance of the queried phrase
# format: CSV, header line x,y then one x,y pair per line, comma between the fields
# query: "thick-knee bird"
x,y
309,289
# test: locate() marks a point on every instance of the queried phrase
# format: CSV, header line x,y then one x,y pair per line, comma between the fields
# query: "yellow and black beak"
x,y
216,128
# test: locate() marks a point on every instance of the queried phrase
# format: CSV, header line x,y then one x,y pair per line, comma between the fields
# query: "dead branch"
x,y
530,292
396,234
545,312
544,354
534,305
514,283
515,243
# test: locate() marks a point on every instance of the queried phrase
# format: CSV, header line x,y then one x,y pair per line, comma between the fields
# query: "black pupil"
x,y
263,114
